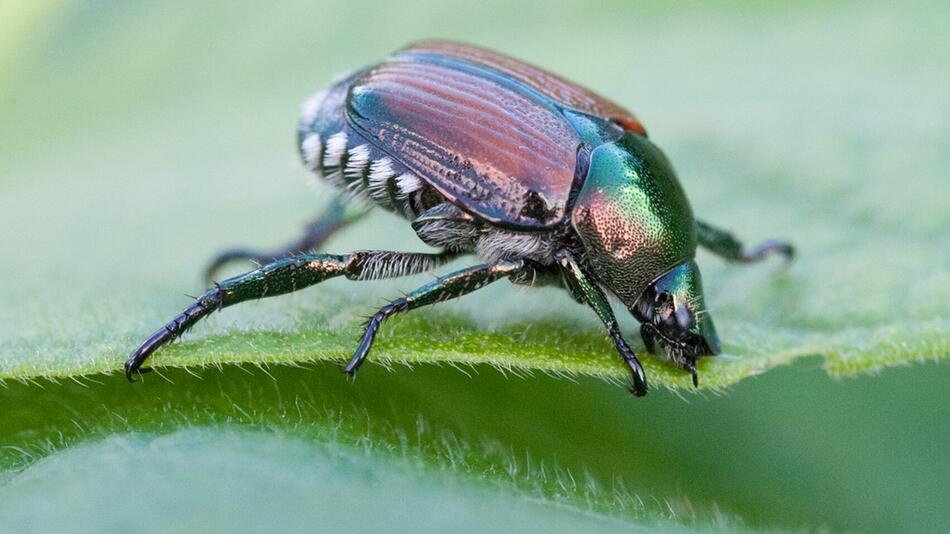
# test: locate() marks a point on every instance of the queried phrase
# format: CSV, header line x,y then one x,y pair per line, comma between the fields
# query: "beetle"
x,y
546,182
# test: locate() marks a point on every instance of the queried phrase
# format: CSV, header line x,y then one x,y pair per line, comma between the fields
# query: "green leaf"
x,y
294,431
307,489
784,450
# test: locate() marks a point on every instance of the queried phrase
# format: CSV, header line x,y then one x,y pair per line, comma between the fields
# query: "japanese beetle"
x,y
544,181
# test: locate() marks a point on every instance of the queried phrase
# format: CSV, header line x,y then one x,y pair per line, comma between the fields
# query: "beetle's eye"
x,y
663,310
673,321
683,320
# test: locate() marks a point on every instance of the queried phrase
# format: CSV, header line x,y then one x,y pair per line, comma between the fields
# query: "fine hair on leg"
x,y
286,276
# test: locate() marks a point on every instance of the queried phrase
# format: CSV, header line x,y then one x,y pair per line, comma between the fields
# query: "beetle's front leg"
x,y
725,245
581,285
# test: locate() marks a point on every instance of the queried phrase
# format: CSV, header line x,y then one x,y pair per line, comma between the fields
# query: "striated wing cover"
x,y
504,154
548,84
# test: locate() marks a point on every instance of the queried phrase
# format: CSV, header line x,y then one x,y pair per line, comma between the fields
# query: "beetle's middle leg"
x,y
444,288
285,276
725,245
340,213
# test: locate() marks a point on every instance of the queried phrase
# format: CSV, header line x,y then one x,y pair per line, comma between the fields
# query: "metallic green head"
x,y
640,238
673,317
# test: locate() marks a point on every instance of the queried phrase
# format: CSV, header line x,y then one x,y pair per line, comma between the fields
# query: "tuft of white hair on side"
x,y
357,162
380,172
336,147
407,183
311,108
312,149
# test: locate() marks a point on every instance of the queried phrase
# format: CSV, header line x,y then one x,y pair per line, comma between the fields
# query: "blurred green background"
x,y
138,138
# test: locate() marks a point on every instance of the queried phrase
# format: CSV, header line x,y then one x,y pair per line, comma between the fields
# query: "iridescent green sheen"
x,y
595,131
633,217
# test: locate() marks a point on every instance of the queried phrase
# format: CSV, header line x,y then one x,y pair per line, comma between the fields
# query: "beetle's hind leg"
x,y
444,288
285,276
339,214
725,245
